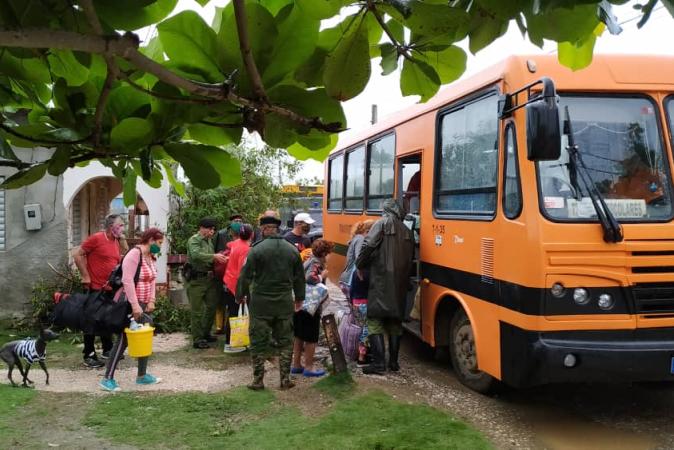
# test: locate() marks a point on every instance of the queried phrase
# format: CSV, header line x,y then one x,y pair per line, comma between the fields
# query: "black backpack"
x,y
115,278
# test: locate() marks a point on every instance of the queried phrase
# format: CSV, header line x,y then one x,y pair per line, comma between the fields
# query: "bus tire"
x,y
464,355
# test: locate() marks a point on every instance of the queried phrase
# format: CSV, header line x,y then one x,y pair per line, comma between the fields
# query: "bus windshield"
x,y
621,145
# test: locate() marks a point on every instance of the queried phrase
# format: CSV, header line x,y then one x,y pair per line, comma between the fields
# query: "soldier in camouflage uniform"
x,y
202,286
273,271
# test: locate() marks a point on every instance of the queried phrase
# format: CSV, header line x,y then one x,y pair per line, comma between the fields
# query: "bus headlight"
x,y
581,296
605,301
558,290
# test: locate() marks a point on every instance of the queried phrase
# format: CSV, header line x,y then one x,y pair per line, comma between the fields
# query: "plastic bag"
x,y
349,334
315,295
239,328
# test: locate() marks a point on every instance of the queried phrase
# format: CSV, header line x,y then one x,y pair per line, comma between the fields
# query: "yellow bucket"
x,y
140,341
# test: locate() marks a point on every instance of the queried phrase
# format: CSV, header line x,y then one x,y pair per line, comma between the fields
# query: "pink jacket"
x,y
144,292
237,258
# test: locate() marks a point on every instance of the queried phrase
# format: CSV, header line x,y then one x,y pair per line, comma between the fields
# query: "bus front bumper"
x,y
530,358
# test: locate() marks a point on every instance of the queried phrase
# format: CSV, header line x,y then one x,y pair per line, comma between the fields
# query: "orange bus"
x,y
542,204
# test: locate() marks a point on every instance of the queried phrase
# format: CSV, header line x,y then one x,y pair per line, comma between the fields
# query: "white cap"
x,y
304,217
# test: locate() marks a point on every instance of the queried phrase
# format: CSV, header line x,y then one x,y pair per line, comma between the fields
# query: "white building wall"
x,y
157,201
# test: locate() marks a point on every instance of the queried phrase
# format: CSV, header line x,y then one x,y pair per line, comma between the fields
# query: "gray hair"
x,y
110,221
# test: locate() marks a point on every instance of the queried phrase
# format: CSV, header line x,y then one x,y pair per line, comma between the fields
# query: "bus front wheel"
x,y
464,355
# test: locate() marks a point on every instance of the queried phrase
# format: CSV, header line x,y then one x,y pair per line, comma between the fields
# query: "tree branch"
x,y
111,76
46,142
399,47
133,84
14,163
244,45
221,125
126,47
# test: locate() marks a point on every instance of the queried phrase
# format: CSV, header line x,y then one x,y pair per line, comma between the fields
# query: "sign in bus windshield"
x,y
621,145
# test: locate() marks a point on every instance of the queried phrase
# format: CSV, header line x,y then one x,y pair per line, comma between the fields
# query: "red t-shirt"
x,y
103,255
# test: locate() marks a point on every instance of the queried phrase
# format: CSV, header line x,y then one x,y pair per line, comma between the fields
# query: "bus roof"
x,y
606,73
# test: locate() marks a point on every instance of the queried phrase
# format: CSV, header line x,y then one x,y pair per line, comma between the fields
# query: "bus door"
x,y
409,194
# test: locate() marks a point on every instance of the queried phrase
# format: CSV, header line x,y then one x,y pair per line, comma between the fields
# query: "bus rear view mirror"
x,y
543,133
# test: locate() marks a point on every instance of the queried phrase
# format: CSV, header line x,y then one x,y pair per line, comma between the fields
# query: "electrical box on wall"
x,y
33,216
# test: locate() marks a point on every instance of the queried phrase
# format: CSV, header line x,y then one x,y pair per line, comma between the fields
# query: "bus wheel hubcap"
x,y
464,344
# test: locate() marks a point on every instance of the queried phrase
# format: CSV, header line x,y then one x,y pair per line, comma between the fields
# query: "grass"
x,y
257,420
12,399
337,386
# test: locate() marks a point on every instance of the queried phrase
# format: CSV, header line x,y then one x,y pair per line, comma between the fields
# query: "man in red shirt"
x,y
96,258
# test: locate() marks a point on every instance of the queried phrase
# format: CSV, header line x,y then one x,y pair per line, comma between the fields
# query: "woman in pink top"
x,y
238,251
139,276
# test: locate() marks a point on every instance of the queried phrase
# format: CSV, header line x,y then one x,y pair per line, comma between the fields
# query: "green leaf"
x,y
436,20
129,186
449,63
64,64
312,103
206,166
153,49
129,15
578,55
563,24
29,69
485,30
274,6
25,177
59,160
347,68
191,43
389,58
320,9
302,153
177,185
212,135
6,151
203,2
32,130
297,36
418,78
123,102
131,134
397,30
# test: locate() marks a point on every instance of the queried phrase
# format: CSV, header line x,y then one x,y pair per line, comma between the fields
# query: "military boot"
x,y
258,374
285,358
393,349
378,365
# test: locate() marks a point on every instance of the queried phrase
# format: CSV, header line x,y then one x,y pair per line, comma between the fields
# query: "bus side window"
x,y
512,190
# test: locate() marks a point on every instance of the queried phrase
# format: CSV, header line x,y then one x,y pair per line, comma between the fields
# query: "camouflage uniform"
x,y
202,287
273,271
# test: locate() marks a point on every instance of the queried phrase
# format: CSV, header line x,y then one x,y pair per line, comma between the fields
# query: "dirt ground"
x,y
577,417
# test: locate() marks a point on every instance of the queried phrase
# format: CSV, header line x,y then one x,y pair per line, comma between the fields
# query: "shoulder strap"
x,y
140,263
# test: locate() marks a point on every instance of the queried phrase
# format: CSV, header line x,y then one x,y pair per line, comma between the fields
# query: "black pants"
x,y
89,337
232,310
106,342
120,346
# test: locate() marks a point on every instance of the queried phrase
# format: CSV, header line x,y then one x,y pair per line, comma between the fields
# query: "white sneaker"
x,y
230,349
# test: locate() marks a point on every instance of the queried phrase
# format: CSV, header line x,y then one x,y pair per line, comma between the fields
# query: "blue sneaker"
x,y
296,370
148,379
314,374
109,385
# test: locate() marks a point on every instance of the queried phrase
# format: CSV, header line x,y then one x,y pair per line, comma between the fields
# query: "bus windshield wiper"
x,y
612,230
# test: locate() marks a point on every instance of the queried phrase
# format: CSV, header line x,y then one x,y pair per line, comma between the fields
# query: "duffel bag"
x,y
69,310
113,315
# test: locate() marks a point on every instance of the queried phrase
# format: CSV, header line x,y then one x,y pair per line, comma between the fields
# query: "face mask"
x,y
155,249
117,231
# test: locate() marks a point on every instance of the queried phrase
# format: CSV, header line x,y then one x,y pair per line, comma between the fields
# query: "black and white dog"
x,y
30,350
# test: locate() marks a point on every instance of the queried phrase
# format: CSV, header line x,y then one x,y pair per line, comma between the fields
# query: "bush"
x,y
169,318
42,295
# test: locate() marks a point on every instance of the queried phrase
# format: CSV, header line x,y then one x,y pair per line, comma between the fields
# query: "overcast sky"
x,y
654,38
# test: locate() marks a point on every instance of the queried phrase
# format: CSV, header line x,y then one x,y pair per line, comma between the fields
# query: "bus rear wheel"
x,y
464,355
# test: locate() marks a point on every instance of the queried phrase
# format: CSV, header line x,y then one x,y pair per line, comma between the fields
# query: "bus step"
x,y
413,326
